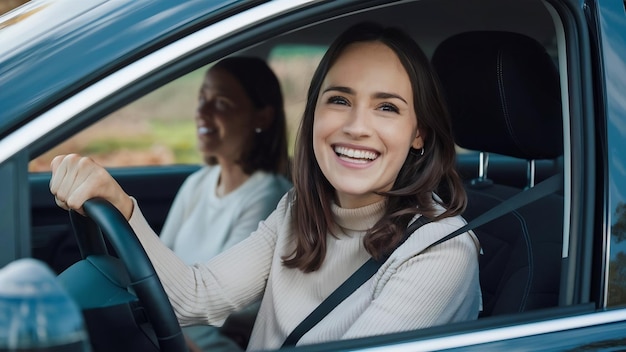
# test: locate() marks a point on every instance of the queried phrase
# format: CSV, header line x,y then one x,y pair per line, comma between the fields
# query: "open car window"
x,y
158,128
148,121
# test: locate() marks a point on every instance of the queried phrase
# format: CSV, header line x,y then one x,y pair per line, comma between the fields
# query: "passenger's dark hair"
x,y
267,151
419,177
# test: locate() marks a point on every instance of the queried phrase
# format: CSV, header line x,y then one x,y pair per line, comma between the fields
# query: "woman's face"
x,y
364,123
225,117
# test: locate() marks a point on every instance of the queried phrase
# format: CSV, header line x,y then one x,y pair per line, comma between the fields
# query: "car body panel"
x,y
581,326
102,35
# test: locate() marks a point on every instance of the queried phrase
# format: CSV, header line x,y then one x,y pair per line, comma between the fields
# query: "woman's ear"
x,y
265,117
418,141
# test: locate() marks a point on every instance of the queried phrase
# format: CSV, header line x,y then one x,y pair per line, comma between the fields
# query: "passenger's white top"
x,y
200,225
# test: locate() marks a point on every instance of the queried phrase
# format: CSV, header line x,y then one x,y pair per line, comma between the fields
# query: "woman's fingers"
x,y
82,181
66,178
76,179
58,174
61,203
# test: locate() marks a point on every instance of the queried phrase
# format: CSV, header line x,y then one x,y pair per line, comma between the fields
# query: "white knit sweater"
x,y
200,224
411,290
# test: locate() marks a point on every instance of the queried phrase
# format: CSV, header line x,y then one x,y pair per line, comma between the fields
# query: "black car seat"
x,y
504,97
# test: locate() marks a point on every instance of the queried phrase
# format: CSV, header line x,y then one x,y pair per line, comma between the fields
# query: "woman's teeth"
x,y
355,154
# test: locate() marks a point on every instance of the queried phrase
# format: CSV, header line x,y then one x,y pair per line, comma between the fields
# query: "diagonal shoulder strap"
x,y
344,290
542,189
367,270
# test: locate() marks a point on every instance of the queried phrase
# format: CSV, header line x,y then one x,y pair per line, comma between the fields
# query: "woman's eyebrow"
x,y
377,95
341,89
384,95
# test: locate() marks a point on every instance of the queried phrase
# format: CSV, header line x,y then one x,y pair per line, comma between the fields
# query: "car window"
x,y
294,65
617,264
6,6
158,129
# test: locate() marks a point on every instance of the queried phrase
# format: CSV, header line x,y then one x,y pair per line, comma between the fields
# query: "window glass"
x,y
158,129
294,65
617,264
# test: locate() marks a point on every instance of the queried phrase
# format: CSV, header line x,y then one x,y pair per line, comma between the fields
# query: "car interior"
x,y
502,67
506,85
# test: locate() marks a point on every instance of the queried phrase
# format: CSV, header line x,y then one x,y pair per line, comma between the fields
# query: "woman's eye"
x,y
338,100
221,104
388,107
202,104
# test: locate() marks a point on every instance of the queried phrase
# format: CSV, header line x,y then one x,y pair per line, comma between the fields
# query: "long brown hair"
x,y
419,177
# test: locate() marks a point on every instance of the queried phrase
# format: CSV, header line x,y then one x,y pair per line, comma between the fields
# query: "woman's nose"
x,y
203,109
357,123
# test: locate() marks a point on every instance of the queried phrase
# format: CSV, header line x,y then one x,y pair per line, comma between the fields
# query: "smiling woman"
x,y
315,240
67,75
365,123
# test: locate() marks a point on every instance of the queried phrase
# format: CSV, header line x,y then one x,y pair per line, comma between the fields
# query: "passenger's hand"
x,y
76,179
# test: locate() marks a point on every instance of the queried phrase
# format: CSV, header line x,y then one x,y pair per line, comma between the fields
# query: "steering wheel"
x,y
104,218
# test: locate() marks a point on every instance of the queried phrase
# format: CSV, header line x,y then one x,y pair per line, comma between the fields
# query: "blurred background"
x,y
8,5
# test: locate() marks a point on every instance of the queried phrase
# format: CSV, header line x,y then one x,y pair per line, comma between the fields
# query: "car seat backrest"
x,y
504,97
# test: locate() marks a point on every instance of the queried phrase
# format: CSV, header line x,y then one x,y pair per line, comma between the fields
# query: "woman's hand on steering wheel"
x,y
76,179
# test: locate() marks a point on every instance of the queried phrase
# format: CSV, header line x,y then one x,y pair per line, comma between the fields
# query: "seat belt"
x,y
367,270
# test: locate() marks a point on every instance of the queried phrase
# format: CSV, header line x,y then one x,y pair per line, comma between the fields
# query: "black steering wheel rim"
x,y
143,277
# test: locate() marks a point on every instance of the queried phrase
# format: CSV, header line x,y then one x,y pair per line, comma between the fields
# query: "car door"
x,y
594,172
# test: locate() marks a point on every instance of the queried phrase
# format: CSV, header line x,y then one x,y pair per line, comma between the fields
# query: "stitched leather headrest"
x,y
503,93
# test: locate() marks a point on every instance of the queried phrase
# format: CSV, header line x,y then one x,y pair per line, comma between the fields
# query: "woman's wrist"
x,y
126,206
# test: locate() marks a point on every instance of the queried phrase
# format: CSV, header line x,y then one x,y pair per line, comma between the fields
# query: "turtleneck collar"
x,y
358,219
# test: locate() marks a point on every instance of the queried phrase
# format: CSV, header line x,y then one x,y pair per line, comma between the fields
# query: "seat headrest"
x,y
503,93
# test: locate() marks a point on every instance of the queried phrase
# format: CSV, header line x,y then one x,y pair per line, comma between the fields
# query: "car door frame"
x,y
109,93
